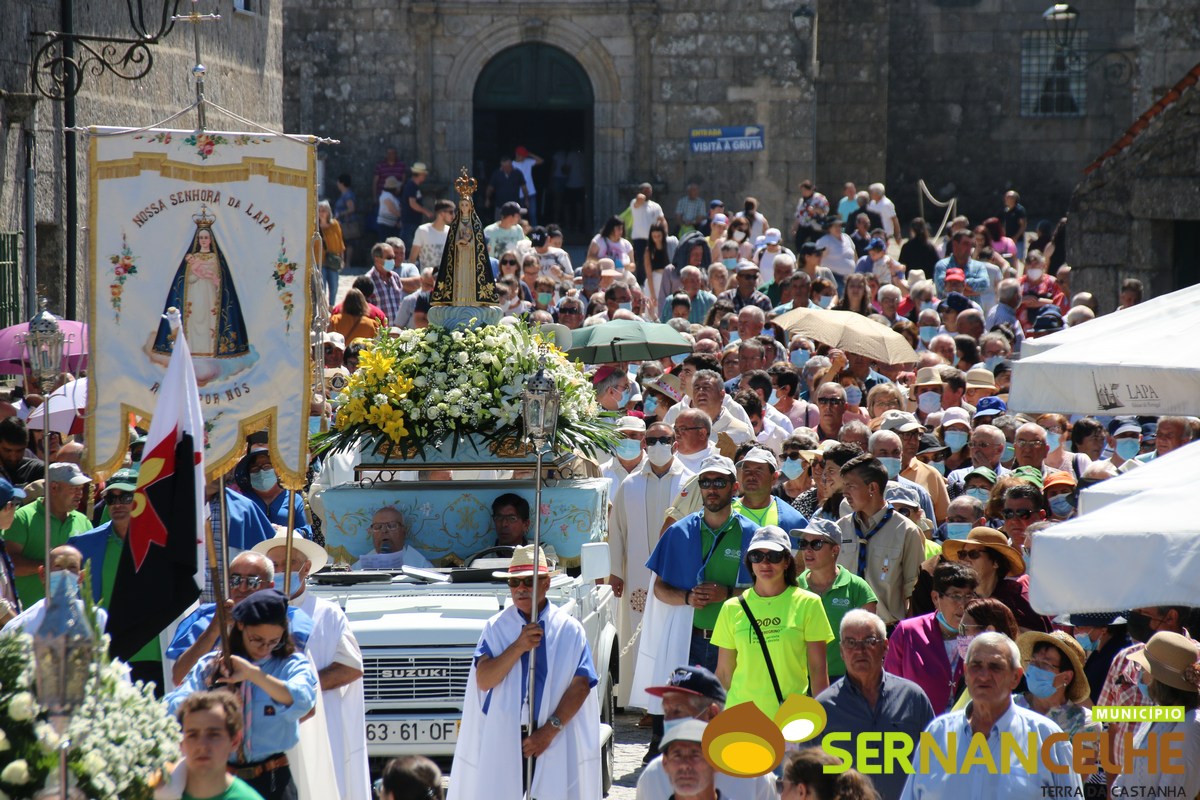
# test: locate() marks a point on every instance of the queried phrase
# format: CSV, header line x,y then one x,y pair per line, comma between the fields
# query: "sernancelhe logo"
x,y
744,742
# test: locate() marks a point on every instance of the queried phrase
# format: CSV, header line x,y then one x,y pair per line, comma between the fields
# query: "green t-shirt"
x,y
722,568
848,592
932,549
112,559
238,790
789,621
29,531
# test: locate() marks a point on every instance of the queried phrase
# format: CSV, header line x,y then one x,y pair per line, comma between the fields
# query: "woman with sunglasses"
x,y
999,565
510,264
840,589
277,686
772,639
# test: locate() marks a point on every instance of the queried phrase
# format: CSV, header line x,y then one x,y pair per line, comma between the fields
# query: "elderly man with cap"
x,y
1125,439
745,292
334,348
840,590
695,694
981,383
336,656
25,540
687,769
613,387
489,758
973,274
883,548
639,506
629,454
869,699
101,551
905,425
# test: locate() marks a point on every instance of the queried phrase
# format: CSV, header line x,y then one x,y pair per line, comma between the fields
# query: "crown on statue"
x,y
203,219
465,184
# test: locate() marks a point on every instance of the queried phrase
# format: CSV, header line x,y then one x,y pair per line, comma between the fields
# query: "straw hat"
x,y
521,565
991,539
1080,689
1172,659
308,549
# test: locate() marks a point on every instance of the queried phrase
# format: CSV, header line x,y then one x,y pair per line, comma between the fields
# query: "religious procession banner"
x,y
218,225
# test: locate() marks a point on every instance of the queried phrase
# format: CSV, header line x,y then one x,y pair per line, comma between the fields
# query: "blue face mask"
x,y
853,395
981,495
892,465
64,583
929,305
263,480
628,449
927,332
955,440
389,265
678,358
293,583
825,300
730,263
734,336
1040,681
991,362
625,306
957,530
792,468
1145,692
799,357
1086,641
649,405
544,298
1053,440
1009,453
939,466
1061,506
774,398
626,396
929,402
1128,448
942,621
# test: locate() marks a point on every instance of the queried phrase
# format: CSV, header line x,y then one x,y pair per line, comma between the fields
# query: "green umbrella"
x,y
626,340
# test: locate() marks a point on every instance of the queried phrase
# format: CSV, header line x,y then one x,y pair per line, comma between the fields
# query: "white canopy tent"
x,y
1178,468
1147,368
1158,308
1141,551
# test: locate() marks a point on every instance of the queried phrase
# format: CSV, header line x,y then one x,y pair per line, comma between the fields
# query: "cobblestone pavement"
x,y
632,742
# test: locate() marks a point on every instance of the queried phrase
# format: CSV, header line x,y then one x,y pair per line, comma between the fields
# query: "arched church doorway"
x,y
539,97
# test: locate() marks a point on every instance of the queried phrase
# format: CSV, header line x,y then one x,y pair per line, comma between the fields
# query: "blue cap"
x,y
8,492
266,607
989,406
696,681
876,244
716,204
956,302
1049,319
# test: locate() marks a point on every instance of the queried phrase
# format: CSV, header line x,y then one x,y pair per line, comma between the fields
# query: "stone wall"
x,y
242,53
1168,45
375,73
1122,215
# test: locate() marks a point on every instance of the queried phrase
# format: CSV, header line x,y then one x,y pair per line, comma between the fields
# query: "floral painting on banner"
x,y
217,225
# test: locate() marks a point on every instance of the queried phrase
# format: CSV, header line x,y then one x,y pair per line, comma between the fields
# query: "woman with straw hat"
x,y
999,565
1170,676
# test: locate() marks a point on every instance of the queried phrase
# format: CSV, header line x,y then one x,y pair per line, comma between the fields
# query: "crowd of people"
x,y
786,517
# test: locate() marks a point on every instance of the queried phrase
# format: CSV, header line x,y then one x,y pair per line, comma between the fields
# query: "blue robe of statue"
x,y
230,340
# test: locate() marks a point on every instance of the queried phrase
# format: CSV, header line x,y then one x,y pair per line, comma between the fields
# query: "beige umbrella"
x,y
850,332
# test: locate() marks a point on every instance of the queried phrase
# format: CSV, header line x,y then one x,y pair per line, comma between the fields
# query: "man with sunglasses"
x,y
831,403
840,590
101,548
1023,506
745,292
198,634
570,313
493,743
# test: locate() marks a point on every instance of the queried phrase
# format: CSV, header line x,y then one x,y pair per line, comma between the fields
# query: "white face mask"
x,y
659,454
739,235
1033,274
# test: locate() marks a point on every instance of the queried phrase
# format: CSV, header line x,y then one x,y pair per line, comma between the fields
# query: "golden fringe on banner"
x,y
231,173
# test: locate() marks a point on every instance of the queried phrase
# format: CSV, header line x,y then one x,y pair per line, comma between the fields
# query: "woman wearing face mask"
x,y
795,473
823,294
982,615
738,232
1059,490
256,478
1039,289
792,625
1055,683
277,686
785,381
660,394
827,497
1057,438
932,452
1170,666
955,432
1102,636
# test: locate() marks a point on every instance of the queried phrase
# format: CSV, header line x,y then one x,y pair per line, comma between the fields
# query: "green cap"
x,y
1031,474
123,479
983,472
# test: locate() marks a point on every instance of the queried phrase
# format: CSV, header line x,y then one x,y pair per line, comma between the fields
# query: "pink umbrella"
x,y
12,348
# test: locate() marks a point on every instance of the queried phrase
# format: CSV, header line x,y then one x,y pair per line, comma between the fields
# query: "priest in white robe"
x,y
491,752
638,509
336,655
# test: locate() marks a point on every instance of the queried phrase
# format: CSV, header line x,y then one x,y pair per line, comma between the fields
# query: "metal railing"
x,y
10,278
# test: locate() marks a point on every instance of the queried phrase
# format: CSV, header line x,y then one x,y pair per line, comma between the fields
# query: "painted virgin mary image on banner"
x,y
212,314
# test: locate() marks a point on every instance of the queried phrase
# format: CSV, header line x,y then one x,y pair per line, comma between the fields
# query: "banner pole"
x,y
291,591
224,562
